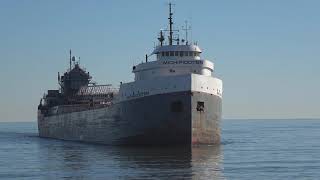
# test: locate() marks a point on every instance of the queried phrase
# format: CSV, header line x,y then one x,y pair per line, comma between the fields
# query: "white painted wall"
x,y
151,70
170,84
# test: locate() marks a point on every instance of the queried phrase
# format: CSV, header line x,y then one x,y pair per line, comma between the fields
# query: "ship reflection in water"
x,y
85,161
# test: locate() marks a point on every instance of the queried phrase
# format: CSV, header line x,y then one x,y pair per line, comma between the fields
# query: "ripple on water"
x,y
263,149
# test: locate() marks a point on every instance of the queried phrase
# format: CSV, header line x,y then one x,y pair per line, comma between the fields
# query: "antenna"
x,y
70,59
186,28
161,38
170,24
170,37
178,39
74,61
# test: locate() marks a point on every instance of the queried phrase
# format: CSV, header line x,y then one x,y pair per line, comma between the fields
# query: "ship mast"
x,y
170,25
70,59
186,28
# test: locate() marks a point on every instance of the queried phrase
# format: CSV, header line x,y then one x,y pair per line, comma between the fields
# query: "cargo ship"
x,y
174,99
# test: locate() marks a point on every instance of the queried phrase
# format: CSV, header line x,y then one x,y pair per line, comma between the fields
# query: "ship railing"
x,y
81,107
97,90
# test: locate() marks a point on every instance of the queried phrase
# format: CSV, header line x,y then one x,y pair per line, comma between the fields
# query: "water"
x,y
251,149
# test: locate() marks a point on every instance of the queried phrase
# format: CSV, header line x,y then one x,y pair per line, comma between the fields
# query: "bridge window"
x,y
190,53
171,53
162,53
167,53
176,53
186,53
181,53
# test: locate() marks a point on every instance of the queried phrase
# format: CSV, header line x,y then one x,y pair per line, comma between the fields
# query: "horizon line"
x,y
305,118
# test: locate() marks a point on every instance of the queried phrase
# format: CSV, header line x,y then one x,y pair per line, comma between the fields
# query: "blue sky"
x,y
266,52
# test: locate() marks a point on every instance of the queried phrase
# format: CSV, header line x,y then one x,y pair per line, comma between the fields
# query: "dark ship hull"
x,y
163,119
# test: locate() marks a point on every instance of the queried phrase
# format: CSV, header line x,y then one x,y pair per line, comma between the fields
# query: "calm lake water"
x,y
250,149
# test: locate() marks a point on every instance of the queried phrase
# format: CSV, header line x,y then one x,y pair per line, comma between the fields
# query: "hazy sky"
x,y
266,52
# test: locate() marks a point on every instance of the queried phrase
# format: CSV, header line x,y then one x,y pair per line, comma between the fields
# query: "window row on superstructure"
x,y
179,53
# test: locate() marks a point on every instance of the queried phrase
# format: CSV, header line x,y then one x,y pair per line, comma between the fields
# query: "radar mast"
x,y
170,25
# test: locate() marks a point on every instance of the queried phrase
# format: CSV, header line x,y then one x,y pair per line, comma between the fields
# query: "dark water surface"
x,y
251,149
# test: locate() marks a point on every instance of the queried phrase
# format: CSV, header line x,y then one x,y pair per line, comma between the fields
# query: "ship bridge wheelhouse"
x,y
177,52
173,60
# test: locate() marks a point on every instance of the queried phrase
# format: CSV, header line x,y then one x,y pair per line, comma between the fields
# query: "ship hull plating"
x,y
181,118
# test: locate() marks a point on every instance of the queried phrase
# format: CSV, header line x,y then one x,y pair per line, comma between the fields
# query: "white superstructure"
x,y
176,68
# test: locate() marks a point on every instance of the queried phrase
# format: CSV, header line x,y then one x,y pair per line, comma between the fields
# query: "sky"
x,y
266,52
